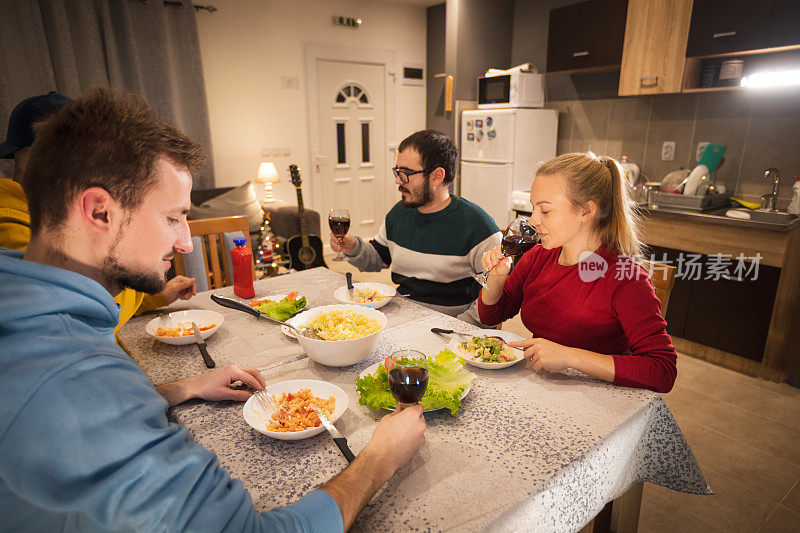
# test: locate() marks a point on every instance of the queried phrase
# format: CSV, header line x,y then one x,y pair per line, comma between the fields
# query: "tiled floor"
x,y
745,433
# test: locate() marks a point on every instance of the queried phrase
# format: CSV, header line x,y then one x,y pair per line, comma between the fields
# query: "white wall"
x,y
248,45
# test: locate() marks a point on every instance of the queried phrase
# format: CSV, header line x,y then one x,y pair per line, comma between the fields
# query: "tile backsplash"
x,y
760,130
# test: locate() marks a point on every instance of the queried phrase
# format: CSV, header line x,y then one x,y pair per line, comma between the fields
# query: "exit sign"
x,y
348,22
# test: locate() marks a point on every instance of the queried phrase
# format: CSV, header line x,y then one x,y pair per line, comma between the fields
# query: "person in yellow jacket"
x,y
15,220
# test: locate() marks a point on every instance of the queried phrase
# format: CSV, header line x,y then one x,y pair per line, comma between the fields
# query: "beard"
x,y
420,197
119,276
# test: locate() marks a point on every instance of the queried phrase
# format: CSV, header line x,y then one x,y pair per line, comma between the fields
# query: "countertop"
x,y
717,216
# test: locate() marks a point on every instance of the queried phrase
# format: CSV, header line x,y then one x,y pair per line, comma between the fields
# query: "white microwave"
x,y
515,89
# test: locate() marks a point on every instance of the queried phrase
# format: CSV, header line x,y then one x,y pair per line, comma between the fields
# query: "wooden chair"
x,y
211,230
662,276
622,514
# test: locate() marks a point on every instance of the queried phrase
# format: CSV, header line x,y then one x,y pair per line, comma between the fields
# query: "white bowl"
x,y
338,353
343,296
202,317
505,335
258,418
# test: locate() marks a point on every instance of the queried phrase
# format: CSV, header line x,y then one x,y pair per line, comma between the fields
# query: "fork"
x,y
450,331
265,401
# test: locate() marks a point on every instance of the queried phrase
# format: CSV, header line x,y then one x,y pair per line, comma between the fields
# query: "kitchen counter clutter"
x,y
717,216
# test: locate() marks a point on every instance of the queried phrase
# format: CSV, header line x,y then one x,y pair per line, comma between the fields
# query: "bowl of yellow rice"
x,y
349,333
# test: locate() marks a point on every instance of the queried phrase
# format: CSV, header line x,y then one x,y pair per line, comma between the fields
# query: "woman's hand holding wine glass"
x,y
519,237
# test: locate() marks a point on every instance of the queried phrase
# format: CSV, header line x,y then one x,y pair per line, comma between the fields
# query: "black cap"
x,y
24,116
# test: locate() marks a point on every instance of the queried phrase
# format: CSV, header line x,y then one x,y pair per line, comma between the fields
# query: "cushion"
x,y
240,201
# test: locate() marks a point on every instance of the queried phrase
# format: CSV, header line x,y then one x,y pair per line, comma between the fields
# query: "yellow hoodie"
x,y
15,233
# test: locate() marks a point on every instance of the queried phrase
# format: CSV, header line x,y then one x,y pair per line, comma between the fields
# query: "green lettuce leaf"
x,y
282,310
447,381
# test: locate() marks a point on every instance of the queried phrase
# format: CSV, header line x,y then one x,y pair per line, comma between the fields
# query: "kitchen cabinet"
x,y
729,314
654,50
586,36
721,27
784,27
728,26
705,309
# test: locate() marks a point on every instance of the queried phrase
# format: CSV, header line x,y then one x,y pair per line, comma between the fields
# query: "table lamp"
x,y
268,175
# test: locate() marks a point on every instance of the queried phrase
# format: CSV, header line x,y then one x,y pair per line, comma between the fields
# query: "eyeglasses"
x,y
405,175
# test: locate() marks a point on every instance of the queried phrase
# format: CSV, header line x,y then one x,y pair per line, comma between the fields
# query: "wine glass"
x,y
339,222
408,377
518,238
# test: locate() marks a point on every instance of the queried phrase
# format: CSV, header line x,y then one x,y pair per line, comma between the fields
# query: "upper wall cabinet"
x,y
586,36
655,45
784,28
731,26
728,26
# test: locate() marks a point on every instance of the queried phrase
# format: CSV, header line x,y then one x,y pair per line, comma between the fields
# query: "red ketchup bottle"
x,y
242,259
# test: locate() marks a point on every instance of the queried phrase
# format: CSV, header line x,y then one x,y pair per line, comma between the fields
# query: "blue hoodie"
x,y
85,444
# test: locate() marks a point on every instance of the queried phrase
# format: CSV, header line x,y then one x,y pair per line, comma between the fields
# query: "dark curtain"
x,y
142,46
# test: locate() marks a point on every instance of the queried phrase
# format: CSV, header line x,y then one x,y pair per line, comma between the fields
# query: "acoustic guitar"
x,y
305,251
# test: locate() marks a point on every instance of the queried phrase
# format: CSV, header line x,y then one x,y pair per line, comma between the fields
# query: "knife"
x,y
350,289
202,345
340,441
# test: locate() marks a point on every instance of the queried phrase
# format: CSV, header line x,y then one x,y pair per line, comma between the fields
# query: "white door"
x,y
351,161
489,186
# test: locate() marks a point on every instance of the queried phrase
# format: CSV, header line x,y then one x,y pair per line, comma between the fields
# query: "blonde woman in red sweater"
x,y
588,305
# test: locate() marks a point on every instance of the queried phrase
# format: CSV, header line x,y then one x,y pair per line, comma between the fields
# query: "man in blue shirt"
x,y
85,444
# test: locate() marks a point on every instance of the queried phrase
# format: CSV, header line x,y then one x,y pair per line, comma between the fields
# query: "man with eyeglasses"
x,y
433,240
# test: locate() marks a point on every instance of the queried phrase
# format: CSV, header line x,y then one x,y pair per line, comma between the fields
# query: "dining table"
x,y
533,451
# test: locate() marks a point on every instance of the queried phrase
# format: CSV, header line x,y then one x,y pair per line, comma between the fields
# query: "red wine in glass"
x,y
339,225
339,222
514,245
408,380
519,237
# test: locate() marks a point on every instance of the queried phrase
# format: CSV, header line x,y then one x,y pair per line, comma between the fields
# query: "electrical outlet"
x,y
668,151
266,152
287,150
700,147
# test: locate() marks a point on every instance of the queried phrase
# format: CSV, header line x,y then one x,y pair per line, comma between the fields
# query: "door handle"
x,y
583,53
724,34
648,81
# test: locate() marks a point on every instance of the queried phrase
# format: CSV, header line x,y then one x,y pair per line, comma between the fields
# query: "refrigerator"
x,y
500,150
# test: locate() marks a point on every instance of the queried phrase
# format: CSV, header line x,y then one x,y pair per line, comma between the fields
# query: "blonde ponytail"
x,y
599,179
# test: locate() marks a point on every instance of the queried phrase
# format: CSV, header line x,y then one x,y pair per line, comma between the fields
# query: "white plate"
x,y
372,368
387,290
506,335
258,418
203,318
279,297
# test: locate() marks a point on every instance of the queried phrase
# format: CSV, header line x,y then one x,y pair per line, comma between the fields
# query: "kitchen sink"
x,y
775,217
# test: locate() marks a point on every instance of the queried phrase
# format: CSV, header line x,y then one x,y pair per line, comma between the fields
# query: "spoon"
x,y
310,333
450,331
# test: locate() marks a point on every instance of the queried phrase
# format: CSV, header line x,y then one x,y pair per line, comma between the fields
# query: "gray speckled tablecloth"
x,y
527,451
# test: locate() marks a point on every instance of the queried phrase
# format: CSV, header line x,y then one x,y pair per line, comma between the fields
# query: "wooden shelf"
x,y
784,57
712,89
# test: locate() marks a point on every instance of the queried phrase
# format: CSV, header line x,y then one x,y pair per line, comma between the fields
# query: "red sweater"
x,y
617,317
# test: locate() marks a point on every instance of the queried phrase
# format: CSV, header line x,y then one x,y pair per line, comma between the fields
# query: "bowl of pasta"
x,y
348,333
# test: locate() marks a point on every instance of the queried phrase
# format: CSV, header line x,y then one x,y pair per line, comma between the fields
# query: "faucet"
x,y
771,199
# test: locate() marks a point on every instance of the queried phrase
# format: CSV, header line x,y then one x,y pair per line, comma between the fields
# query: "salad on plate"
x,y
448,383
280,307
